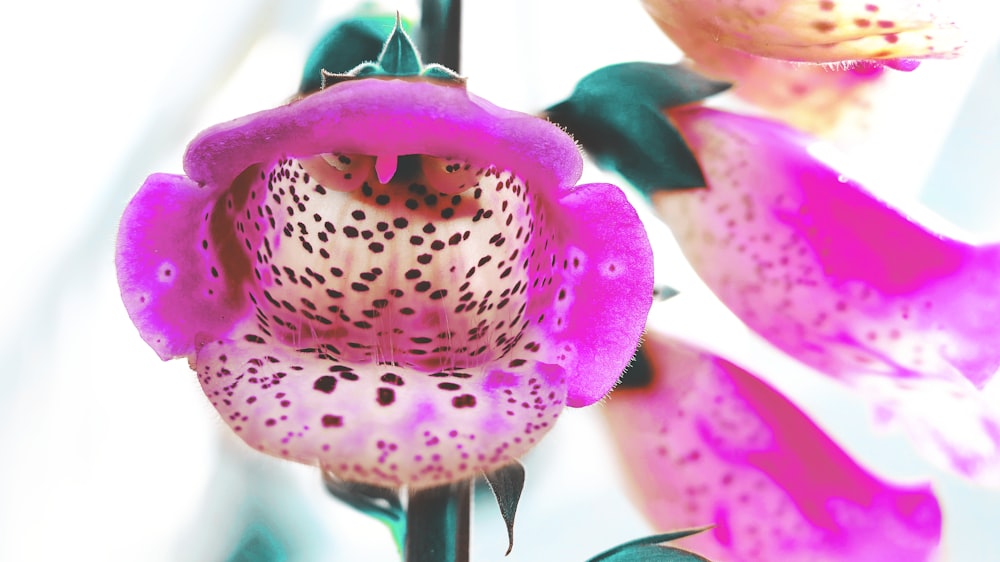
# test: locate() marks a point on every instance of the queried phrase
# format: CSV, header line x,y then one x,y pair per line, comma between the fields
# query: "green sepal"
x,y
617,114
399,55
507,483
653,553
651,549
399,58
347,45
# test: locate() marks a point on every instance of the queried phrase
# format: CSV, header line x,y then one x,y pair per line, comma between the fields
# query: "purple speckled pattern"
x,y
707,443
836,277
393,279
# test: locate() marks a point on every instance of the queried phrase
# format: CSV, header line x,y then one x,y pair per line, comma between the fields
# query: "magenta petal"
x,y
388,117
390,425
393,279
707,443
818,266
165,268
616,272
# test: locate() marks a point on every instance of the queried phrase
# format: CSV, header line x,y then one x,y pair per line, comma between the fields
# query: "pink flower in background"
x,y
393,279
751,44
706,442
842,281
817,31
837,103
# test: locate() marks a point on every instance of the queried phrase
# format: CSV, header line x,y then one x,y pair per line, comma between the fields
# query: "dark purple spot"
x,y
325,384
393,379
386,396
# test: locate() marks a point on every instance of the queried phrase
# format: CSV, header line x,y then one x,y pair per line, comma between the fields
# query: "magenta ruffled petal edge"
x,y
164,280
613,297
390,118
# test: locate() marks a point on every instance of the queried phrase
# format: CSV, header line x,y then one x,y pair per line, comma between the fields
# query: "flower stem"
x,y
441,31
438,523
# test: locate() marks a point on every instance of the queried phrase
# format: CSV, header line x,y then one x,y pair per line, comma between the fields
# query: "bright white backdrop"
x,y
110,454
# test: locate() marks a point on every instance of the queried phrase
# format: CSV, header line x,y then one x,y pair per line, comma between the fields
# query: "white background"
x,y
109,454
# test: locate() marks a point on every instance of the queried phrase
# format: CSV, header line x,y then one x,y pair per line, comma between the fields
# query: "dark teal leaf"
x,y
616,113
650,549
348,44
439,72
381,503
652,553
638,373
664,292
507,483
399,56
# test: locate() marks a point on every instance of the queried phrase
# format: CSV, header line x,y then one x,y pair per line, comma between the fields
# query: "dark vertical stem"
x,y
438,523
441,32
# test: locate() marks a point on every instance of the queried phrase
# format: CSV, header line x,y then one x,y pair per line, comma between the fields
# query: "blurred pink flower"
x,y
841,280
706,442
765,48
818,31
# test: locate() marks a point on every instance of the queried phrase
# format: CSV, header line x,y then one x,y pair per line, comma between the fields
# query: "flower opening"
x,y
392,278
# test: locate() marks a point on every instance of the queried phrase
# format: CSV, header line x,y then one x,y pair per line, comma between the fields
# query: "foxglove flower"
x,y
842,281
836,103
391,278
817,31
706,442
760,48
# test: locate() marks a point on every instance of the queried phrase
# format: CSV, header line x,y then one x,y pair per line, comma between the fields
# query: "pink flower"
x,y
761,46
835,103
706,442
819,31
391,278
842,281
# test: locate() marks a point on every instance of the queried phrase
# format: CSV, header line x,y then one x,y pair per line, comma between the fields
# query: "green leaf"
x,y
348,44
617,114
399,55
664,292
650,549
507,483
652,553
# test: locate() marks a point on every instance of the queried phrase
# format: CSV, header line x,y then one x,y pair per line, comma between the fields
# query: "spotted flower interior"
x,y
391,278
